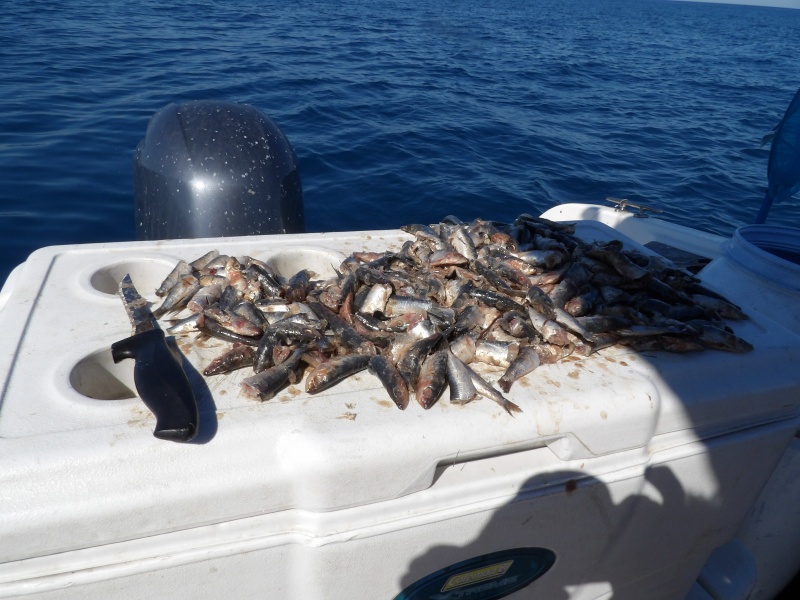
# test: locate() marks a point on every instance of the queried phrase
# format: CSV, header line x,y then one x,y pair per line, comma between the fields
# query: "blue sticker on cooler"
x,y
485,577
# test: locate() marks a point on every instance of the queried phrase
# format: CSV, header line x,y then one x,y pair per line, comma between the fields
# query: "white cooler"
x,y
620,477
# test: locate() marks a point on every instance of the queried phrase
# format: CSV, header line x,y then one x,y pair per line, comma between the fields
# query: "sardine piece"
x,y
582,304
476,266
201,262
335,370
392,381
206,280
453,220
204,297
613,295
526,361
469,318
266,345
621,263
427,234
550,277
378,338
214,329
181,269
178,295
186,325
234,322
238,357
569,322
277,305
250,312
574,280
344,333
651,330
266,278
230,296
540,302
219,266
664,343
297,286
253,292
603,340
432,379
238,280
459,378
550,227
510,273
547,243
398,305
296,328
550,353
603,323
551,331
484,389
268,383
494,299
653,307
411,361
442,318
713,337
376,299
435,290
487,231
665,292
725,309
580,346
463,347
499,354
686,313
463,243
516,325
446,257
547,259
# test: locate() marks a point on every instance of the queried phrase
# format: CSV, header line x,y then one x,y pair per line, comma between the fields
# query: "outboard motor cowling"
x,y
210,169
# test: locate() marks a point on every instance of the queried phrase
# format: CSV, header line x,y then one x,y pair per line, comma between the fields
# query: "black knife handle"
x,y
161,383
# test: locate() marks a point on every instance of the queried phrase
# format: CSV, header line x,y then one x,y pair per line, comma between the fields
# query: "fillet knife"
x,y
159,377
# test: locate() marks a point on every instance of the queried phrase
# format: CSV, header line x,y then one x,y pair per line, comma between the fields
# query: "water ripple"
x,y
401,111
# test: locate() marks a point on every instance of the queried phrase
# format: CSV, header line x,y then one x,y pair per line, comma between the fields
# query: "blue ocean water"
x,y
401,111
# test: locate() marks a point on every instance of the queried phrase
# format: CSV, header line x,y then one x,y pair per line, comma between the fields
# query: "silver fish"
x,y
201,262
268,383
551,331
725,309
205,297
180,270
335,370
432,379
178,294
499,354
459,378
392,381
525,362
484,389
376,299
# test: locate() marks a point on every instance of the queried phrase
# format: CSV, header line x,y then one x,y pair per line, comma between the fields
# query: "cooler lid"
x,y
79,466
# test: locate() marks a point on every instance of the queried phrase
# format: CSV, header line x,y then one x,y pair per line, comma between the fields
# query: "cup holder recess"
x,y
147,274
97,376
322,262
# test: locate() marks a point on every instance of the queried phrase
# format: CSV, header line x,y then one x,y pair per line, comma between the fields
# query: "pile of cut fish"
x,y
514,295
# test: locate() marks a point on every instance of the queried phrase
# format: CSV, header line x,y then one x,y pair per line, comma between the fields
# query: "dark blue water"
x,y
401,111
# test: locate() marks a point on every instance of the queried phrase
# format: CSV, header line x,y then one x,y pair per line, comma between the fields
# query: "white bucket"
x,y
771,251
761,267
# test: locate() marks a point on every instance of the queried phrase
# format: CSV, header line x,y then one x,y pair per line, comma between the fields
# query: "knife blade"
x,y
160,380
